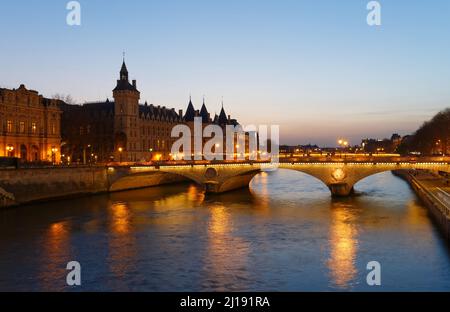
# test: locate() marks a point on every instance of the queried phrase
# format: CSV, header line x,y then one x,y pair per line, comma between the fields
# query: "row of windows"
x,y
145,131
151,145
156,131
21,127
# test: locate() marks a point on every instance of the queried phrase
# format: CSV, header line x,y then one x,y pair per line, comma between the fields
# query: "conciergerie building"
x,y
124,129
38,129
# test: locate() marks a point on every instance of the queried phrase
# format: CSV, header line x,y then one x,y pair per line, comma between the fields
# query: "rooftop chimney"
x,y
134,83
180,112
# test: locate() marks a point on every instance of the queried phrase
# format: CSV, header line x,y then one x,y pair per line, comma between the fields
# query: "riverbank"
x,y
33,185
434,192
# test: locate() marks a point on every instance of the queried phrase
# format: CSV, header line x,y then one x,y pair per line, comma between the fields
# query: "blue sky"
x,y
313,67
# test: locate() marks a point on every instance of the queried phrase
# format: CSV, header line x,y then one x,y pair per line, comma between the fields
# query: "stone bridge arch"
x,y
6,198
121,179
215,178
340,178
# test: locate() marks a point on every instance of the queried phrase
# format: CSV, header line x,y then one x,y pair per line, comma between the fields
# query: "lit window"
x,y
9,126
22,127
33,127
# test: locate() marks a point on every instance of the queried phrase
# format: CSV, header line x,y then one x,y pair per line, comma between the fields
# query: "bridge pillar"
x,y
212,187
341,189
229,183
6,199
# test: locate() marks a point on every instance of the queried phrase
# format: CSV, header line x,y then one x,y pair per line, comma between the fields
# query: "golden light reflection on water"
x,y
227,253
56,245
120,218
122,243
263,195
194,195
343,245
415,214
174,210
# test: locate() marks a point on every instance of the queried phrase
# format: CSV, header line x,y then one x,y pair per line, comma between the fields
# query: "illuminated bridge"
x,y
338,176
24,185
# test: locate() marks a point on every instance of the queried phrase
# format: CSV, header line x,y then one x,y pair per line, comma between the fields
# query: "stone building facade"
x,y
29,125
125,130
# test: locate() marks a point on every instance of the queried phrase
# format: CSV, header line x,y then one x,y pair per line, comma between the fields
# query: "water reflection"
x,y
343,244
227,252
120,218
56,251
122,243
285,234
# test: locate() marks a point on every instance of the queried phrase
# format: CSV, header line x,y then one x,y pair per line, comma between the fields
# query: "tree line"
x,y
433,137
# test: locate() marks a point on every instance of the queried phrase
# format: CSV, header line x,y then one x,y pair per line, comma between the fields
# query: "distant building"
x,y
381,145
124,129
291,150
30,126
396,140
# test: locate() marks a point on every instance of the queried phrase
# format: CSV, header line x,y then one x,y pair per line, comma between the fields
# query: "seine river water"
x,y
283,234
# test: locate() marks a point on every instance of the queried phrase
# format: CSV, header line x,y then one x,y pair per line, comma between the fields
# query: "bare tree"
x,y
63,97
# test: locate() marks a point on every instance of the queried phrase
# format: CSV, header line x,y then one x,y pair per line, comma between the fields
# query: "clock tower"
x,y
126,118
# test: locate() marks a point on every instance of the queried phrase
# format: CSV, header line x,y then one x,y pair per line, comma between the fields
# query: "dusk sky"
x,y
313,67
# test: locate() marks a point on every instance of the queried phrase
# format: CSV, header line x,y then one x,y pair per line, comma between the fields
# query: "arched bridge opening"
x,y
340,178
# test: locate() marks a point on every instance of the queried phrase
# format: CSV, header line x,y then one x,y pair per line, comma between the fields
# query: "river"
x,y
284,233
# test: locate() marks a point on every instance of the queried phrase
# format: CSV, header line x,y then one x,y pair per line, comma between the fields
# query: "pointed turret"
x,y
204,113
123,83
190,111
223,119
124,72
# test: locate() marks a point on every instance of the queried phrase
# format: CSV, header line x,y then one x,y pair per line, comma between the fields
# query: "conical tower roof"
x,y
190,112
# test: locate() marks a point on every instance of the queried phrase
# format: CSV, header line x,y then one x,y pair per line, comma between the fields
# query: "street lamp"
x,y
10,149
343,144
54,150
120,149
151,153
